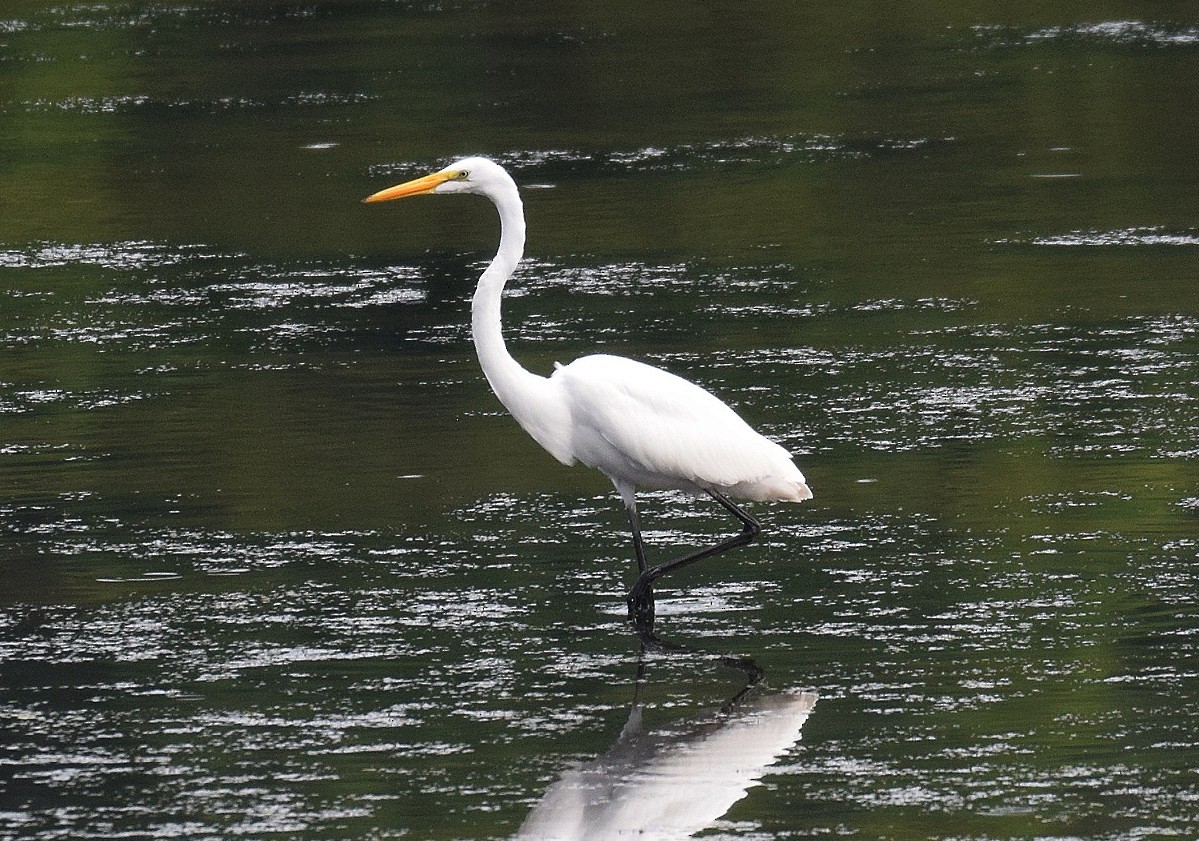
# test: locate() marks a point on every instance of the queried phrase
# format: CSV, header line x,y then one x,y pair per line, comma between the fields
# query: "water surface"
x,y
275,564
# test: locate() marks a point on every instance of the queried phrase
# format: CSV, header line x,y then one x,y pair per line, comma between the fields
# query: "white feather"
x,y
652,429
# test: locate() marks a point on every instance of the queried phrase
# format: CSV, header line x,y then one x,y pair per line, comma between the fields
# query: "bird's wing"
x,y
666,427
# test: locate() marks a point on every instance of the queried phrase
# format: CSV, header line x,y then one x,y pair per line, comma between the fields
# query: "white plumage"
x,y
645,427
639,425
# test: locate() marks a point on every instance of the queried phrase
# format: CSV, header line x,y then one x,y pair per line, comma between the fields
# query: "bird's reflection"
x,y
670,783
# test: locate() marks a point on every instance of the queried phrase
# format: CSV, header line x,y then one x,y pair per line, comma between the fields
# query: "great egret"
x,y
638,425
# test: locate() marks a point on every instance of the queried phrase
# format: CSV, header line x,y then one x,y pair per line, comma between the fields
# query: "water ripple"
x,y
120,103
1152,236
163,295
119,256
1118,32
1112,390
691,157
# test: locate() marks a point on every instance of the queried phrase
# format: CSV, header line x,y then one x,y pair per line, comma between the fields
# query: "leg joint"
x,y
751,528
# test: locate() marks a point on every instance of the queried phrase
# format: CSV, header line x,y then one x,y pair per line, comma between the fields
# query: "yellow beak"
x,y
415,187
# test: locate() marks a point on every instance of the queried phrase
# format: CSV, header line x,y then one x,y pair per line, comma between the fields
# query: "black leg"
x,y
641,602
638,546
641,597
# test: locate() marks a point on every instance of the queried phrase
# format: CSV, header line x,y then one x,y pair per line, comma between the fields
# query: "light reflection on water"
x,y
1134,33
749,150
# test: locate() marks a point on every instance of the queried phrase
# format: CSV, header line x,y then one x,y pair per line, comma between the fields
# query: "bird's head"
x,y
468,175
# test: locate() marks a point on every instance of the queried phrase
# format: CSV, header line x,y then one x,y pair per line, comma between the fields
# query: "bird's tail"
x,y
797,492
771,490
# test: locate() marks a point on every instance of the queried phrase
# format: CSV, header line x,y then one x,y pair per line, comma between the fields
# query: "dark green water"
x,y
275,564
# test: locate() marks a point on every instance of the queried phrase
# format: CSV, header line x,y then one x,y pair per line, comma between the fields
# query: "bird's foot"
x,y
641,605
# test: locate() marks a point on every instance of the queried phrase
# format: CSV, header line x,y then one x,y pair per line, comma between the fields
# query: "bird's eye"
x,y
462,175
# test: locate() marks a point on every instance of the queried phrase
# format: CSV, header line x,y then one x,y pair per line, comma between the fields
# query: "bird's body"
x,y
643,427
640,426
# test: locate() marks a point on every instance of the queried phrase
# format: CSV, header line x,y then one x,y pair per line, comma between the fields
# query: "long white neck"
x,y
498,364
528,397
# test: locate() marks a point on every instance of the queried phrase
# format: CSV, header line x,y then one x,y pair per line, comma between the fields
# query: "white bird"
x,y
638,425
